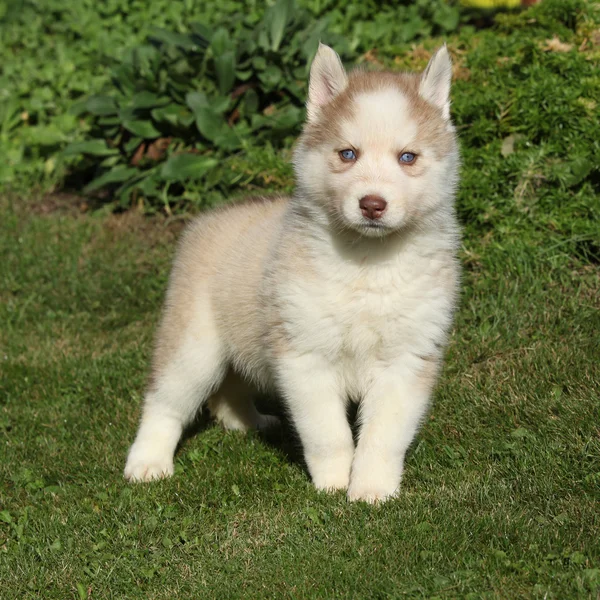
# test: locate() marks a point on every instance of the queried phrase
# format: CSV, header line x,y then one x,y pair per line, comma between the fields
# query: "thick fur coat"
x,y
343,292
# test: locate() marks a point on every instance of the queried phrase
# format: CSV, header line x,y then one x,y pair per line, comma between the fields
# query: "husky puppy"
x,y
343,292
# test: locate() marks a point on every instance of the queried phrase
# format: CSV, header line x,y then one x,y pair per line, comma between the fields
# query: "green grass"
x,y
502,487
500,496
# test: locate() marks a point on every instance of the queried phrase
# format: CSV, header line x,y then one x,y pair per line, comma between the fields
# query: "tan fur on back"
x,y
219,257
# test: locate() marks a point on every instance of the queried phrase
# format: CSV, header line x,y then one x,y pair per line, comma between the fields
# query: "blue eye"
x,y
408,158
347,155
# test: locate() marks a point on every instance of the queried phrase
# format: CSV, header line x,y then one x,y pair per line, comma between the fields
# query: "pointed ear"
x,y
435,81
327,79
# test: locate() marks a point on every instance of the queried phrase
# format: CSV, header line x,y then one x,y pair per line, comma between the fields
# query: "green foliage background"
x,y
190,55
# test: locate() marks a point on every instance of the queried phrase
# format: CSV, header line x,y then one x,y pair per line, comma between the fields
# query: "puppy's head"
x,y
378,151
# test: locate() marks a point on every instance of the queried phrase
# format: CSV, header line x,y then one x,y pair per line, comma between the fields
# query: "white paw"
x,y
375,477
373,494
331,484
331,474
147,466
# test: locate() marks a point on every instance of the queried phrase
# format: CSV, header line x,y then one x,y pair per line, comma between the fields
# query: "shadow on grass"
x,y
283,438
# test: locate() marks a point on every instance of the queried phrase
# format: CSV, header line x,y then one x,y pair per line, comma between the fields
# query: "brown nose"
x,y
372,207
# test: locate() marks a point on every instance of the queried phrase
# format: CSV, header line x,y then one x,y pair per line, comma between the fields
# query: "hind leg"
x,y
232,406
181,386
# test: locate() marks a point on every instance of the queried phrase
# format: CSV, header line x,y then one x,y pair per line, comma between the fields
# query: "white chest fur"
x,y
364,308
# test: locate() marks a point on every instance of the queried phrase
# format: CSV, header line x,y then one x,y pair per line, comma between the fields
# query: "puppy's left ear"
x,y
327,79
436,79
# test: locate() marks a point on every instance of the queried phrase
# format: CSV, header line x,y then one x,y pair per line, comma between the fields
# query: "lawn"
x,y
501,492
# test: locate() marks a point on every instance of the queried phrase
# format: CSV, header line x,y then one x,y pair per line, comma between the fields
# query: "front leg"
x,y
390,414
318,408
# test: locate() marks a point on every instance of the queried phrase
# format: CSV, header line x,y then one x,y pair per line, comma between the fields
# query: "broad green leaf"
x,y
220,104
81,591
149,185
271,76
111,161
201,41
186,166
78,108
204,32
259,63
250,101
228,139
244,75
446,16
309,48
143,129
116,175
412,27
579,169
132,144
296,89
127,113
145,59
147,99
136,183
279,16
43,135
92,147
282,120
247,48
101,105
221,42
287,118
520,432
259,121
10,116
123,78
109,121
175,114
196,101
225,70
111,132
210,124
263,40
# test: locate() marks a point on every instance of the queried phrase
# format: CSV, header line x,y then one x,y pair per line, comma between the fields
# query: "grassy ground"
x,y
500,496
501,490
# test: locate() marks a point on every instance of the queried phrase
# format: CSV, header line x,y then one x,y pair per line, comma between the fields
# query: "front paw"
x,y
331,482
331,474
374,480
143,465
370,492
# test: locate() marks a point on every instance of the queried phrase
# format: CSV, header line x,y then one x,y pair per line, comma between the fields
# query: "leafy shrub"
x,y
182,105
55,53
390,25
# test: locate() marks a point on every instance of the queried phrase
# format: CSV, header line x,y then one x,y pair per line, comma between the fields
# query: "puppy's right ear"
x,y
327,79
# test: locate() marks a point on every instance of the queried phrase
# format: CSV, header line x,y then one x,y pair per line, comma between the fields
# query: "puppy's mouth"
x,y
374,228
374,225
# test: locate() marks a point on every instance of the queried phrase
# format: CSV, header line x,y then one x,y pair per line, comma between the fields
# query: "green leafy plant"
x,y
183,106
183,102
54,54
